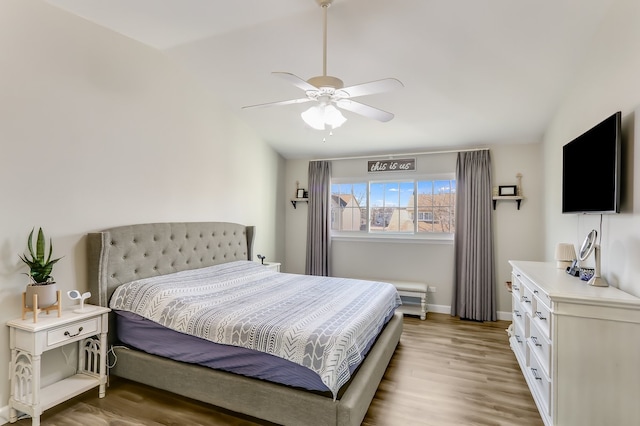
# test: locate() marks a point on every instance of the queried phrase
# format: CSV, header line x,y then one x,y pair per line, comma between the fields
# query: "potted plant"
x,y
40,268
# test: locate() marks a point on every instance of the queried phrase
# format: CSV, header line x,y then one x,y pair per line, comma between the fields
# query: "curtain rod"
x,y
401,155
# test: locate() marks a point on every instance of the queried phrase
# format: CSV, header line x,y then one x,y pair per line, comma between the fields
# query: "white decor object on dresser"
x,y
29,340
578,346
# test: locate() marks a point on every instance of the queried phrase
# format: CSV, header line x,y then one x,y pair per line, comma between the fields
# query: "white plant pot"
x,y
47,295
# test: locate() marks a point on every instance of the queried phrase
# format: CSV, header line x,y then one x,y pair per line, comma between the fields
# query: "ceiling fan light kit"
x,y
331,95
323,115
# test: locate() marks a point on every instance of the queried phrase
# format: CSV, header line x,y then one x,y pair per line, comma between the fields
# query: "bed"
x,y
121,255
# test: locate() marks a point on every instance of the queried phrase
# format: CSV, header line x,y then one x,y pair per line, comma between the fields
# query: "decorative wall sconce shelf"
x,y
518,199
294,201
509,192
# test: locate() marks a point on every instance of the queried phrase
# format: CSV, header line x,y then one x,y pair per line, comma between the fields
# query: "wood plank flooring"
x,y
444,372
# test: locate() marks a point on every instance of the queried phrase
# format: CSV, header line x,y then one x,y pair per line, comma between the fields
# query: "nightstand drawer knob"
x,y
66,333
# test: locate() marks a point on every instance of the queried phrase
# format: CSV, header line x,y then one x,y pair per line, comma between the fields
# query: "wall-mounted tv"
x,y
591,169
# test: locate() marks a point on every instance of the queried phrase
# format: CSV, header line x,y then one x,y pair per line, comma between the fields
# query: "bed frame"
x,y
122,254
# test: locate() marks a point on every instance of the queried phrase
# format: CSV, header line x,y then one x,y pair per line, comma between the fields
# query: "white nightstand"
x,y
273,265
28,340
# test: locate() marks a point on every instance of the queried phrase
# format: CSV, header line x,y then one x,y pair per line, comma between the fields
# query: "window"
x,y
394,206
349,207
436,206
391,206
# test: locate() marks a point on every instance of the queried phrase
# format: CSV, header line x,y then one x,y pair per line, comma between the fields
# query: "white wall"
x,y
96,131
518,233
296,219
608,82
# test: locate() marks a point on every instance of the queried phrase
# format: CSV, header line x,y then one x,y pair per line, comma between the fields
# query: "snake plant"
x,y
39,265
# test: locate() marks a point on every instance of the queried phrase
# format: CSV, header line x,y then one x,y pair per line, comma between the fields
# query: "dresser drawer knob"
x,y
534,339
526,299
517,313
66,333
518,339
539,315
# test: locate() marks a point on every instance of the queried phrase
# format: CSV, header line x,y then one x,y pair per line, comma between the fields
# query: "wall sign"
x,y
403,165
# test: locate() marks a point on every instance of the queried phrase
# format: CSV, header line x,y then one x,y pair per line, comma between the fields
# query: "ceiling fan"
x,y
329,92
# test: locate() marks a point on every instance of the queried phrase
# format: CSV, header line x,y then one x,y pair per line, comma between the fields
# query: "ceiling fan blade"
x,y
364,110
372,87
295,80
269,104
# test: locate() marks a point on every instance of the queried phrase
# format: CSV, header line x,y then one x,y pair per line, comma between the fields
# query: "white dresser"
x,y
578,346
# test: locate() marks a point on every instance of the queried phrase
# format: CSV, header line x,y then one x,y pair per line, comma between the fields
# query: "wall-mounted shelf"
x,y
518,199
514,194
294,201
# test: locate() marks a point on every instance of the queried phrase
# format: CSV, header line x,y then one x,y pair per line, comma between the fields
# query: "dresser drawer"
x,y
519,342
527,299
517,312
540,383
542,316
516,285
73,332
540,347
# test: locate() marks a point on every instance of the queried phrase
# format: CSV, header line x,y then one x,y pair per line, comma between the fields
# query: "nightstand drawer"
x,y
73,332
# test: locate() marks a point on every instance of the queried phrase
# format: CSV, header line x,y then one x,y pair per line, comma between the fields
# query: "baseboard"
x,y
4,415
439,309
505,316
444,309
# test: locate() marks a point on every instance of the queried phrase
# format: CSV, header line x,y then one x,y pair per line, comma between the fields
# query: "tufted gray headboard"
x,y
122,254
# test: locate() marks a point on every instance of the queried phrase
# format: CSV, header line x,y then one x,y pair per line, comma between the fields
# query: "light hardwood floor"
x,y
444,372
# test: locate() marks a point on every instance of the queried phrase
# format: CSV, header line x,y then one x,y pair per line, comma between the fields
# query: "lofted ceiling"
x,y
475,72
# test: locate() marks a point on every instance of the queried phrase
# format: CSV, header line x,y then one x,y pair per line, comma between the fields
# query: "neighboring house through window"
x,y
418,206
346,213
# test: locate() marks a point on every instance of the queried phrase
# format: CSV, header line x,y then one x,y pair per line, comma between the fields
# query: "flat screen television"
x,y
591,169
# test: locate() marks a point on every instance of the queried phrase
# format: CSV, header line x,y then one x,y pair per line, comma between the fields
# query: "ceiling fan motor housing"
x,y
326,81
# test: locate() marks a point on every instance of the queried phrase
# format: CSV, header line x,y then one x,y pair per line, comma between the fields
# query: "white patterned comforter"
x,y
321,323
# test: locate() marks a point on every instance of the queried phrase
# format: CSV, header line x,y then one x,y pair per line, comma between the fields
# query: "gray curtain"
x,y
319,219
474,277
